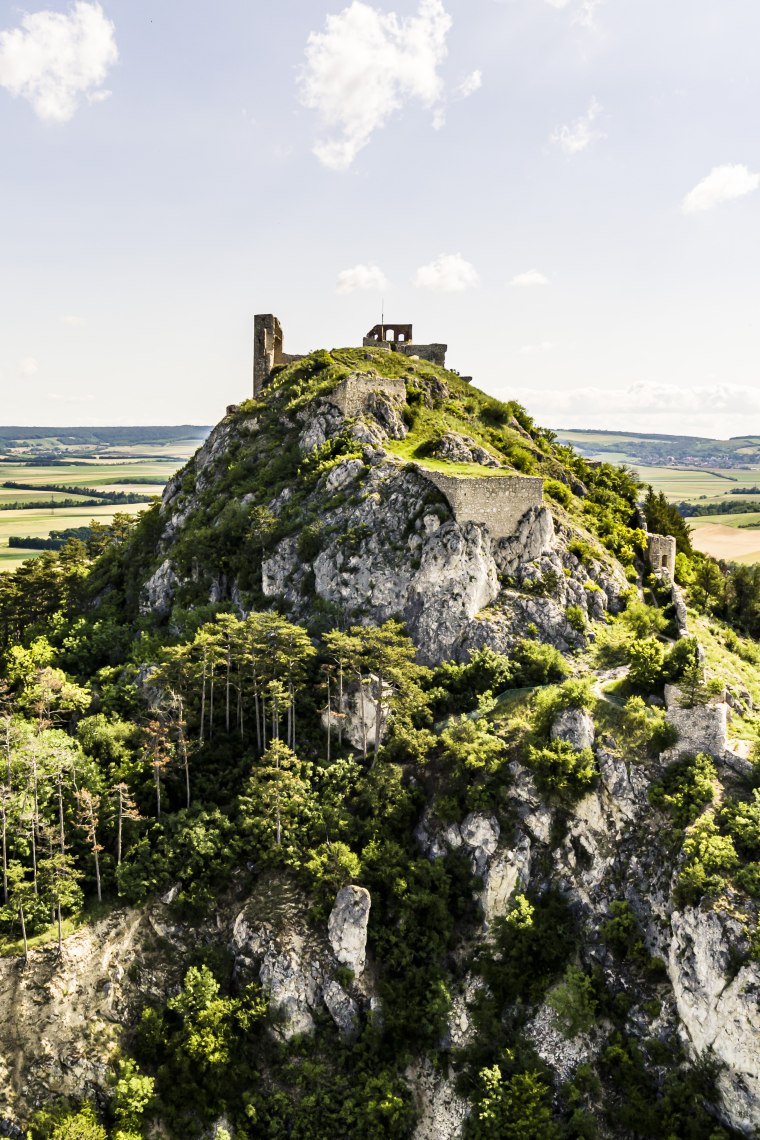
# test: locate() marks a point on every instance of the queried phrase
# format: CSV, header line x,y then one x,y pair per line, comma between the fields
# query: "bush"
x,y
560,492
576,617
685,789
646,659
560,768
573,1002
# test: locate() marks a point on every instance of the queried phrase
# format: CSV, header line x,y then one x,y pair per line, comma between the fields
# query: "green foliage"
x,y
686,789
561,768
576,617
514,1107
664,518
708,858
646,729
646,658
574,1002
560,492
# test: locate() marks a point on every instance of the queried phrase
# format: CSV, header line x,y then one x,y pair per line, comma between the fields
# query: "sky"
x,y
567,192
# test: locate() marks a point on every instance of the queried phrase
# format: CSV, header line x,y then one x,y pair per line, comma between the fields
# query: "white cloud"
x,y
558,3
28,367
722,184
707,409
534,349
529,279
73,322
365,66
577,136
586,13
361,277
449,273
469,85
54,60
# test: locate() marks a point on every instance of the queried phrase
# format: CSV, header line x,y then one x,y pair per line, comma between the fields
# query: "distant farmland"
x,y
53,459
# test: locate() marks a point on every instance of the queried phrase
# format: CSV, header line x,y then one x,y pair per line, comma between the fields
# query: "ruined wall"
x,y
435,353
267,348
352,393
662,553
499,501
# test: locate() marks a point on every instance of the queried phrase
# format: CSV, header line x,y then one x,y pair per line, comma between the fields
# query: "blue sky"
x,y
566,191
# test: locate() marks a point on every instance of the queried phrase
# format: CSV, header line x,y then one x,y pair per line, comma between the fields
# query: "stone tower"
x,y
267,348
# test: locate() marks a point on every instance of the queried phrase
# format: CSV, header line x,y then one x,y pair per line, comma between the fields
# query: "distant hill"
x,y
79,436
666,450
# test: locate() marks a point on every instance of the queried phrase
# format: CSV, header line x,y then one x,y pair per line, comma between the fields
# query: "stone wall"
x,y
662,553
351,394
498,501
435,353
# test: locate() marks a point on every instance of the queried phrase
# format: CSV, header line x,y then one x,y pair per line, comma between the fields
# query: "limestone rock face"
x,y
719,1008
463,449
574,727
480,834
442,1111
347,927
158,592
534,536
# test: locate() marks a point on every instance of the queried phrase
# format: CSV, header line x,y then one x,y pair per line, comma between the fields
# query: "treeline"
x,y
116,497
699,510
55,541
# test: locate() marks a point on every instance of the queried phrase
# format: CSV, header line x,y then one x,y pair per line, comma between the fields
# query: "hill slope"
x,y
418,807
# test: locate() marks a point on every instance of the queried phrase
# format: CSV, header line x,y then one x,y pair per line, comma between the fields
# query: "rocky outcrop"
x,y
703,728
158,592
442,1110
347,928
274,943
455,448
575,727
719,1007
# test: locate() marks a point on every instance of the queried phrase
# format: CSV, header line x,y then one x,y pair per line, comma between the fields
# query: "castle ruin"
x,y
268,346
399,338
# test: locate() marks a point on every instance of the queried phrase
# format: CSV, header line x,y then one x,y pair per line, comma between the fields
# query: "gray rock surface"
x,y
347,927
574,727
456,448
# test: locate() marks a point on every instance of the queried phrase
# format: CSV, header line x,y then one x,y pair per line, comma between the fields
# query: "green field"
x,y
102,474
694,485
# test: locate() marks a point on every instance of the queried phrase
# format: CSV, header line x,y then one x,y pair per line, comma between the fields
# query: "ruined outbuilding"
x,y
662,553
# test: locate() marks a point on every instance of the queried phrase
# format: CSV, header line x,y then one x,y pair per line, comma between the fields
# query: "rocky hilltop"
x,y
424,804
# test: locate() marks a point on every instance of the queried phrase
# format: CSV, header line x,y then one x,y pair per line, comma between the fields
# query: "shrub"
x,y
560,768
518,1106
686,788
576,618
646,658
573,1002
582,550
558,491
536,663
646,729
709,858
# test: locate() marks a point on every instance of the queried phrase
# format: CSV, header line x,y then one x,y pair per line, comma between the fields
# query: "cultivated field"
x,y
127,475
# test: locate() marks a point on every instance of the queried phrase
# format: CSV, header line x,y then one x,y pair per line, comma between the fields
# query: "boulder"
x,y
574,727
347,927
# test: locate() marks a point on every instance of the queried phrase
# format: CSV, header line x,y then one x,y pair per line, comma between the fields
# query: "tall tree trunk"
x,y
361,713
158,790
60,928
340,703
5,854
378,716
183,753
329,719
23,932
120,826
61,833
211,705
203,700
227,693
256,709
